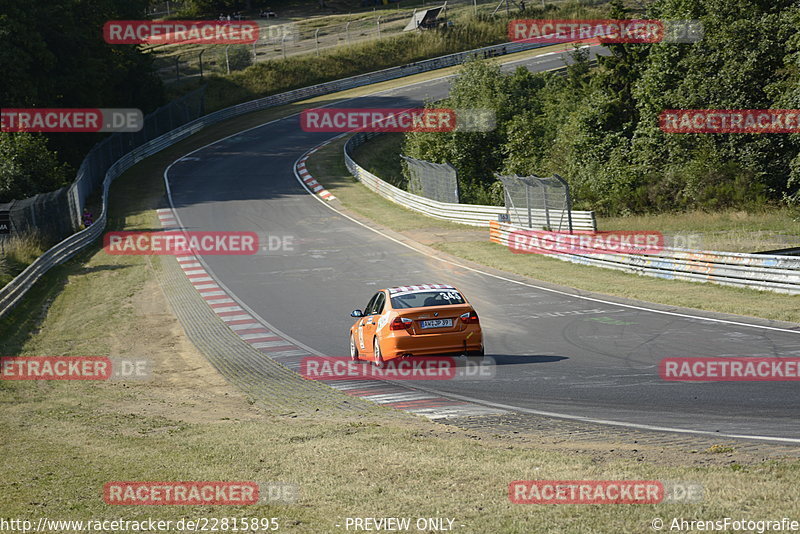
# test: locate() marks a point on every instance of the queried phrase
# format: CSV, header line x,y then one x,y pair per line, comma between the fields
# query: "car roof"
x,y
417,288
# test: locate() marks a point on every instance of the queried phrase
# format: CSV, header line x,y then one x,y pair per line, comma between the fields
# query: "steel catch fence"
x,y
780,274
436,181
525,195
15,290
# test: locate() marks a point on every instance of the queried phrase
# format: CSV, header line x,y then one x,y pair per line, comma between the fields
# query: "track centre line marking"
x,y
534,286
471,269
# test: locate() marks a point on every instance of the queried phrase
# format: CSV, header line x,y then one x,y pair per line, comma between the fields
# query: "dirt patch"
x,y
606,443
184,386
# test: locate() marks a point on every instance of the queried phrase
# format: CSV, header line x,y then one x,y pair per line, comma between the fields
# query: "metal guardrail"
x,y
472,214
12,293
780,274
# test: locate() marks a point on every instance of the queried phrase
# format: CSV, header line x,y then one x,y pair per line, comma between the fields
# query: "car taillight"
x,y
470,318
400,323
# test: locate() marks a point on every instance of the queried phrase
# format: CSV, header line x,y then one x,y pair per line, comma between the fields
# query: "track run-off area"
x,y
559,352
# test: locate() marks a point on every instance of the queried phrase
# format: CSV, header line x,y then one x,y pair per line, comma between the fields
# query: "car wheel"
x,y
353,349
378,357
475,356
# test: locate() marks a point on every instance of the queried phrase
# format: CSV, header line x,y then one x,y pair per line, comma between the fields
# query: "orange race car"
x,y
421,320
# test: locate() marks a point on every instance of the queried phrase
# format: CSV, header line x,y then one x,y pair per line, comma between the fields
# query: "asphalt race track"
x,y
556,352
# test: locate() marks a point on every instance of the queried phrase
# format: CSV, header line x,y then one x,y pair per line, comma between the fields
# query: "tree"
x,y
599,128
28,167
53,55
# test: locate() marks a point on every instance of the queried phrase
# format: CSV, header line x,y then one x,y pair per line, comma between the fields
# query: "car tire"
x,y
476,355
353,349
376,354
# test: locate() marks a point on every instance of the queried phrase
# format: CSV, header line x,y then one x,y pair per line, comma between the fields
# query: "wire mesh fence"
x,y
436,181
46,213
280,37
57,214
94,166
536,202
164,9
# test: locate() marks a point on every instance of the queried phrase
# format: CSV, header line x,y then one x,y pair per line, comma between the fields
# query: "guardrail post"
x,y
200,57
316,40
347,32
104,156
569,200
545,205
177,69
379,27
227,59
283,46
528,203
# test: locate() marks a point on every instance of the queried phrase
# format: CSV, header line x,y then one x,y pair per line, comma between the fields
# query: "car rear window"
x,y
421,299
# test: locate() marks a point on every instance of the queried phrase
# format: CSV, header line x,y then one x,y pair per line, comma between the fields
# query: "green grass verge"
x,y
279,75
730,230
327,167
64,441
381,157
17,252
22,321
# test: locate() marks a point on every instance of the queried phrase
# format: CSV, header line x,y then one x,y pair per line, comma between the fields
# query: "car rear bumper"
x,y
401,344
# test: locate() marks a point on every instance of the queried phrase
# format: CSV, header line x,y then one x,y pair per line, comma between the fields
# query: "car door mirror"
x,y
356,313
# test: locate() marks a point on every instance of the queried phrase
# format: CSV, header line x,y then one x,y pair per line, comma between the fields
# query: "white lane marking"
x,y
346,386
534,286
230,318
471,269
226,300
247,326
262,335
223,309
623,424
398,397
268,344
446,412
286,354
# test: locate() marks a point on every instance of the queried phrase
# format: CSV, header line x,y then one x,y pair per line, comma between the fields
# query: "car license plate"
x,y
437,323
